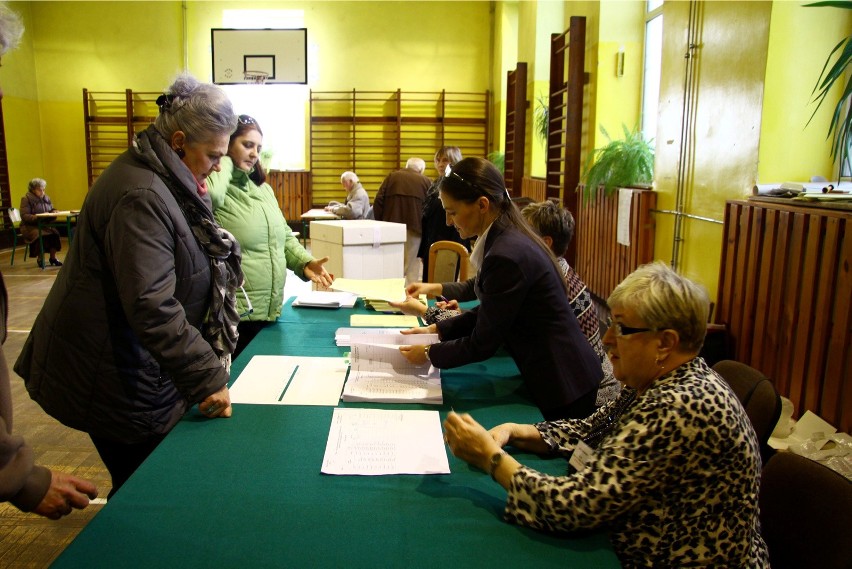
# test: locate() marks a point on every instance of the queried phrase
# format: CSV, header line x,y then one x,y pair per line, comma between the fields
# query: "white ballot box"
x,y
360,248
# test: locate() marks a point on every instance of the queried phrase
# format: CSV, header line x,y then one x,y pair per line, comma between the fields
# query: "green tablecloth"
x,y
248,492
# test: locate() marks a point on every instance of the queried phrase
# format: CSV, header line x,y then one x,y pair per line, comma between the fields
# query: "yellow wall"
x,y
789,150
111,46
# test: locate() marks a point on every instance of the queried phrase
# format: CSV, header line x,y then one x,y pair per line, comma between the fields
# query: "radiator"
x,y
292,190
534,188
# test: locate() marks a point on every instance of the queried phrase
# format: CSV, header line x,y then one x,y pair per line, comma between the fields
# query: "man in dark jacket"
x,y
400,200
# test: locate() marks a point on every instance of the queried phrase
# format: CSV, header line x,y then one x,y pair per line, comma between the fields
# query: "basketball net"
x,y
256,77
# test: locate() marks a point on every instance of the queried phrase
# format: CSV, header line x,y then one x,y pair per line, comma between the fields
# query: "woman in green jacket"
x,y
245,205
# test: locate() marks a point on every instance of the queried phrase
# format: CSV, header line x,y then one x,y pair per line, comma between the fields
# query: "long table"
x,y
248,492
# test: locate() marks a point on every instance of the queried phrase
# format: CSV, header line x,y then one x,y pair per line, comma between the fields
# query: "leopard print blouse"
x,y
675,480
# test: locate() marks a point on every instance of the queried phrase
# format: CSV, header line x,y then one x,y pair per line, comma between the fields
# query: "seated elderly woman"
x,y
671,468
34,202
356,205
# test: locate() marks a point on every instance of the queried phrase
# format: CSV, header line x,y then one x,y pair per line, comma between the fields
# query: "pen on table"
x,y
442,298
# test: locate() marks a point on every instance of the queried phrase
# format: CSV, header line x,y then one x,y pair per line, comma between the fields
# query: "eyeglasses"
x,y
245,119
248,304
622,330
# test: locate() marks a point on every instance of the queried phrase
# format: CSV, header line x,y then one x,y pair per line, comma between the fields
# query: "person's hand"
x,y
414,354
317,273
429,289
65,493
469,440
217,405
430,329
449,305
502,434
410,306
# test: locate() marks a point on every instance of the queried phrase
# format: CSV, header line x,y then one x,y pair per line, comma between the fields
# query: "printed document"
x,y
381,374
374,442
290,380
343,336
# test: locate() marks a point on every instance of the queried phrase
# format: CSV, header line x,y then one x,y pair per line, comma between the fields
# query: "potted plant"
x,y
628,162
841,120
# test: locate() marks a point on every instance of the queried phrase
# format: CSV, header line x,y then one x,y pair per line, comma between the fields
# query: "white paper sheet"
x,y
344,336
290,380
625,202
382,289
326,299
375,442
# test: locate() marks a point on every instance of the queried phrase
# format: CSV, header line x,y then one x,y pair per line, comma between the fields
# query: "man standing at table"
x,y
400,200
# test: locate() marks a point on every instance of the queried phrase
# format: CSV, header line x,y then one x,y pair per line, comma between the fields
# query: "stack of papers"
x,y
375,441
324,299
380,373
343,336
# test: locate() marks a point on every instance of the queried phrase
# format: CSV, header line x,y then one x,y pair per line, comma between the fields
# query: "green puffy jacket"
x,y
268,245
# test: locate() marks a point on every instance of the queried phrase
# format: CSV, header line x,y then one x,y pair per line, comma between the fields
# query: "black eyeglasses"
x,y
622,330
245,119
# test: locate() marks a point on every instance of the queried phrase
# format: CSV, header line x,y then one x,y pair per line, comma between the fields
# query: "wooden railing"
x,y
784,294
601,261
293,191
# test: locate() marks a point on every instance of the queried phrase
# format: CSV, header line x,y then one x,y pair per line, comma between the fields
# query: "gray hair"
x,y
347,175
200,110
663,300
416,164
11,29
36,183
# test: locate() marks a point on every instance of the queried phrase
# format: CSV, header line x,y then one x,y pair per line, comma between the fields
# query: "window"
x,y
652,68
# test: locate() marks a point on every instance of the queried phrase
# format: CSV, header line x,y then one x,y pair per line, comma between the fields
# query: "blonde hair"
x,y
665,300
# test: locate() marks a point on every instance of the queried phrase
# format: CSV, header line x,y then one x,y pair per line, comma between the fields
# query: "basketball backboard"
x,y
239,55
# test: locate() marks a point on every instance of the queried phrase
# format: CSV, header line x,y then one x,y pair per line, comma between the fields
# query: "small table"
x,y
70,216
310,215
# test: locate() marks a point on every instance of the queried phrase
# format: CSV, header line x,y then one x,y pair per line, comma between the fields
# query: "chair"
x,y
757,394
15,218
448,262
805,514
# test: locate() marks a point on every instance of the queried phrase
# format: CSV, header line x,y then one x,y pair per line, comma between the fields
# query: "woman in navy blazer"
x,y
522,299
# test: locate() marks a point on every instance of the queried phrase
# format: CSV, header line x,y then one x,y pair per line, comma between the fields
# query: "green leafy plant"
x,y
619,164
498,159
839,71
541,118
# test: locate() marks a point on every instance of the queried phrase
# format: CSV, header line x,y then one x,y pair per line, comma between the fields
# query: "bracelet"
x,y
495,461
426,351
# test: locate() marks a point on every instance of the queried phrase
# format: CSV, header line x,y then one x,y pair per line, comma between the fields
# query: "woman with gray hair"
x,y
34,202
356,205
671,468
150,280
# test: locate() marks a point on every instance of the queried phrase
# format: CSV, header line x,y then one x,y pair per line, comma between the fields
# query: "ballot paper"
x,y
382,320
290,380
326,299
375,442
379,372
392,290
343,336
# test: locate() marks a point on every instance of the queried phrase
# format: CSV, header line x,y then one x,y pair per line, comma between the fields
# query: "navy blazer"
x,y
522,306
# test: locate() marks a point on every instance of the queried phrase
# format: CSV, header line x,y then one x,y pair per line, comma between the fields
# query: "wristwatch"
x,y
426,351
495,461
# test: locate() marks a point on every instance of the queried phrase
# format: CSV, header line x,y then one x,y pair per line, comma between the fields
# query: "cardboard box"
x,y
360,248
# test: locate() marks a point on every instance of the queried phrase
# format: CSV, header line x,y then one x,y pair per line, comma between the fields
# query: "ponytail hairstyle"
x,y
473,178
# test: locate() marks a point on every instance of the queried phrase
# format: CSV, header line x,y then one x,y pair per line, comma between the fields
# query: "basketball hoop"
x,y
256,77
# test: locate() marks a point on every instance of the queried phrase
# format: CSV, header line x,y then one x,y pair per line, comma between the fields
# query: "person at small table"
x,y
141,322
522,299
671,468
400,200
356,205
35,201
434,219
245,205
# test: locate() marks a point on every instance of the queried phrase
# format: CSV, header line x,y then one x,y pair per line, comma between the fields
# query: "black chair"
x,y
805,514
757,394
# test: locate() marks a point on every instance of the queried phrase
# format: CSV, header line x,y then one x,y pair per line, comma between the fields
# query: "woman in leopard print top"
x,y
671,468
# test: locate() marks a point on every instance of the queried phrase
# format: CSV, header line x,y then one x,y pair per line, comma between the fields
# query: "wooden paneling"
x,y
292,190
535,189
516,127
601,261
784,293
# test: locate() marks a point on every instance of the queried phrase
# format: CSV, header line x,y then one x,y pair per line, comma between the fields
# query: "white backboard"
x,y
282,54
